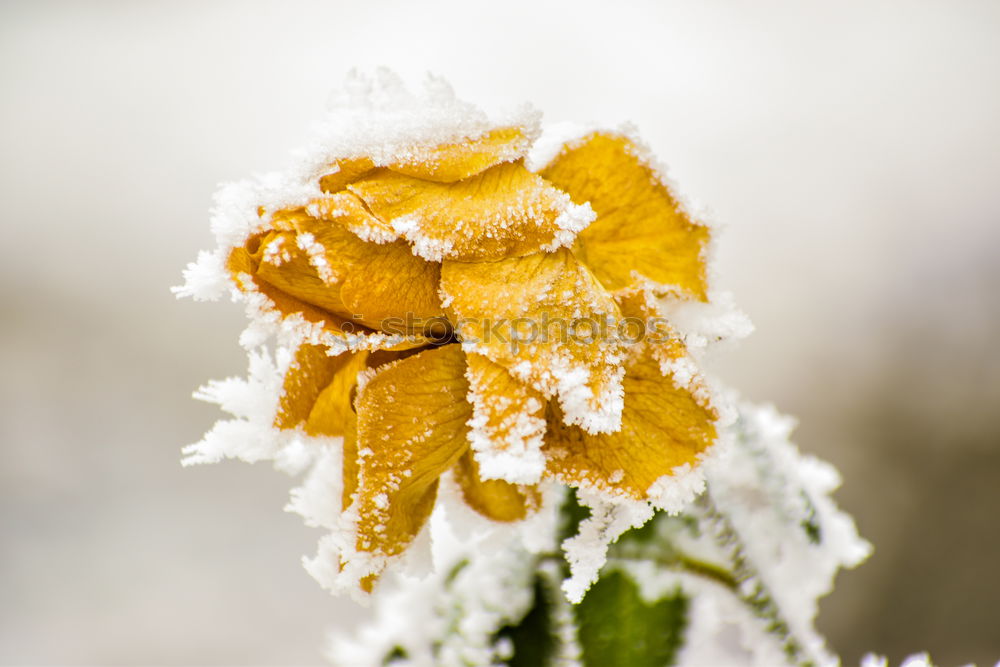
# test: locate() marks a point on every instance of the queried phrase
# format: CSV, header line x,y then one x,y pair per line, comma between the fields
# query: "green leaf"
x,y
533,638
618,628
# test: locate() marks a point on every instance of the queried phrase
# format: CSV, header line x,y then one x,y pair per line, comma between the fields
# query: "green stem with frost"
x,y
748,584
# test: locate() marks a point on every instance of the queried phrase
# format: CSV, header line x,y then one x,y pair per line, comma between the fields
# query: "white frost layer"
x,y
759,481
555,137
534,534
703,325
577,399
317,500
573,219
767,468
611,516
381,118
253,402
510,450
769,494
587,551
373,116
481,582
570,382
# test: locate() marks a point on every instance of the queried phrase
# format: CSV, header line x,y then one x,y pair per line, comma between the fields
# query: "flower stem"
x,y
709,571
748,584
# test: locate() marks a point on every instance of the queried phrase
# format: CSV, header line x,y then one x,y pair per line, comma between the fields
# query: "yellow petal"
x,y
321,262
450,162
333,410
411,428
503,211
495,499
443,163
644,323
345,171
243,265
546,319
640,224
376,282
347,209
350,464
333,413
310,372
319,391
663,427
284,264
508,423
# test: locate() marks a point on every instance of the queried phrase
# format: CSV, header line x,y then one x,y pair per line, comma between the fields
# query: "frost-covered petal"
x,y
455,161
663,428
641,229
373,283
318,392
412,418
494,498
503,211
508,423
347,209
345,171
444,162
645,323
547,320
350,465
243,267
322,264
332,413
308,375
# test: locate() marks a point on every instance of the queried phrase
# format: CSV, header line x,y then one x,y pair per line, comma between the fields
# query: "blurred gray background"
x,y
850,150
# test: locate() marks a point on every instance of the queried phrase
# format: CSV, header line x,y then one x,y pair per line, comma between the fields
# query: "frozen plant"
x,y
478,341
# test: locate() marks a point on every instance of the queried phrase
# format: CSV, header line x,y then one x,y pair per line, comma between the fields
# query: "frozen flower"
x,y
462,313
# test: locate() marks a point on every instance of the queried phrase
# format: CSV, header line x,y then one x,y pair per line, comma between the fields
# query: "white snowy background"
x,y
850,149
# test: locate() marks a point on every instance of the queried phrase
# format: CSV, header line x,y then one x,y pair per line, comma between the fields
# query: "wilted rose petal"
x,y
501,212
641,230
663,427
411,428
494,498
547,320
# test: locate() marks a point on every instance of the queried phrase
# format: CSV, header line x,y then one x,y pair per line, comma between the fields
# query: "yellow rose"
x,y
470,315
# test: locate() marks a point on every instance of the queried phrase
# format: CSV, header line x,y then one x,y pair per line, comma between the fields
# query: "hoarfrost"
x,y
704,324
376,117
586,552
452,616
768,518
759,486
252,401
